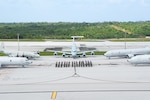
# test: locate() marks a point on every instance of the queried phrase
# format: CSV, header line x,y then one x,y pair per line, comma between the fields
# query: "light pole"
x,y
18,42
125,40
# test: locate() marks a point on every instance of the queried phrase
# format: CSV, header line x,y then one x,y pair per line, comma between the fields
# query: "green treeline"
x,y
64,30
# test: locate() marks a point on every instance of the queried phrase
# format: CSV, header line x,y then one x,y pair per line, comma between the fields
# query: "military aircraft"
x,y
140,59
127,52
5,61
16,53
74,52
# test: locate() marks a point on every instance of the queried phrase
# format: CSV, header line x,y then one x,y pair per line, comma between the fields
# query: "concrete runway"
x,y
113,79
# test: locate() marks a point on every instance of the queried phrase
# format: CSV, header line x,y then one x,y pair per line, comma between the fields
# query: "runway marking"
x,y
4,73
73,91
54,94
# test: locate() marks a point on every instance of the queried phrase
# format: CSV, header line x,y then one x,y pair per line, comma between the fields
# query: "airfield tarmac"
x,y
114,79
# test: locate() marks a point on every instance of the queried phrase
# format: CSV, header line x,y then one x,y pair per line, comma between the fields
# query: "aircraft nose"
x,y
130,60
105,54
37,56
29,62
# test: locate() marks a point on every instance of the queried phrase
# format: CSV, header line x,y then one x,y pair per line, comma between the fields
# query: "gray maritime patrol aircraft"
x,y
128,53
5,61
140,59
16,53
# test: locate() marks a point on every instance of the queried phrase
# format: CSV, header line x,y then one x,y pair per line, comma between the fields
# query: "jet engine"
x,y
63,54
92,53
84,55
55,53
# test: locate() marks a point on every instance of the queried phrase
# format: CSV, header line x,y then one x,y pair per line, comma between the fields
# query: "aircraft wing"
x,y
63,52
84,52
87,51
12,55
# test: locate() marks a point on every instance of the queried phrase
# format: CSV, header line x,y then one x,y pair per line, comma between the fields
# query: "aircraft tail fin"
x,y
73,39
2,46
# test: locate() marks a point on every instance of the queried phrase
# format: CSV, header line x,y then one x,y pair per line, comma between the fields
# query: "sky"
x,y
74,10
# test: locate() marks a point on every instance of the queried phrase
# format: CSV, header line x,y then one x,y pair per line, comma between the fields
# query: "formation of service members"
x,y
73,64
